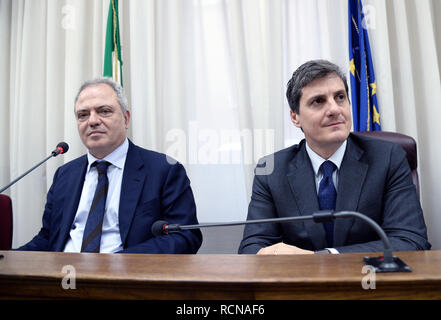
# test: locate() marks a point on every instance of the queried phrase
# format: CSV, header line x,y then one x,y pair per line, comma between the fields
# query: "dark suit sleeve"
x,y
402,219
177,207
257,236
41,241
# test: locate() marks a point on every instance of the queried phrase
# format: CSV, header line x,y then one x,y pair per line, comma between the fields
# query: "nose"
x,y
333,108
94,119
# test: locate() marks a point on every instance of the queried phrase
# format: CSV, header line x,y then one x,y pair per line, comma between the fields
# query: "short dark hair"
x,y
305,74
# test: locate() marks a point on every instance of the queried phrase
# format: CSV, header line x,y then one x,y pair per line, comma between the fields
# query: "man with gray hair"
x,y
107,200
332,169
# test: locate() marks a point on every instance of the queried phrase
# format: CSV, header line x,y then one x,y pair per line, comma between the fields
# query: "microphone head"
x,y
158,228
62,147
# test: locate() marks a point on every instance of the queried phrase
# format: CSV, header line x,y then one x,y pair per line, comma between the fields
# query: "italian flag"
x,y
112,51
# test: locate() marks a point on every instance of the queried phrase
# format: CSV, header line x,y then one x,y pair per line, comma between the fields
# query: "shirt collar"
x,y
117,157
317,160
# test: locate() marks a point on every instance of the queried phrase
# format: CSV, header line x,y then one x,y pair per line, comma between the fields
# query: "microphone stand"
x,y
386,263
62,147
54,153
33,168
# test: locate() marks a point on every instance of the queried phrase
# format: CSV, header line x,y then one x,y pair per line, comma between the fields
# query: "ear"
x,y
127,118
295,119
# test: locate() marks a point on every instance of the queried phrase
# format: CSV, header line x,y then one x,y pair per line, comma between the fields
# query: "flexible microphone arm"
x,y
387,263
322,216
388,256
62,147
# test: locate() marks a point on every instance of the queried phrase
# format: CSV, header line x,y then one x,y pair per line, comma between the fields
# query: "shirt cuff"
x,y
332,250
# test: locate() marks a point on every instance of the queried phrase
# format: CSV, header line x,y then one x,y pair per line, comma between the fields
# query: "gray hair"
x,y
307,73
119,91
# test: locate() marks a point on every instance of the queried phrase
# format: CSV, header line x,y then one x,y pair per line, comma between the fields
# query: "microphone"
x,y
386,263
161,227
62,147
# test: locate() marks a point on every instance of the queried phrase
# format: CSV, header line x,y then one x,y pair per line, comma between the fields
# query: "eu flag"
x,y
363,86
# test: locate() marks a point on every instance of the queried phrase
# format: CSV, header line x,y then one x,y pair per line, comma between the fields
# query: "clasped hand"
x,y
283,248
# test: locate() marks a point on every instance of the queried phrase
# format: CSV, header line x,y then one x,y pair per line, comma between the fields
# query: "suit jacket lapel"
x,y
131,187
350,182
302,182
73,189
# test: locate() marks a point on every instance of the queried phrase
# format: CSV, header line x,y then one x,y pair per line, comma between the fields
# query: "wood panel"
x,y
188,277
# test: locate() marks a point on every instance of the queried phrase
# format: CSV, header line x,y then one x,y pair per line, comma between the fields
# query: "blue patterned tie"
x,y
94,224
327,196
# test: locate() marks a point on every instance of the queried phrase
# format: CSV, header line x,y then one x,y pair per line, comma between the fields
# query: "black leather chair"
x,y
408,144
5,222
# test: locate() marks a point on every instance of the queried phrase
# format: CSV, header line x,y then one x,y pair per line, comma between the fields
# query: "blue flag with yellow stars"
x,y
365,113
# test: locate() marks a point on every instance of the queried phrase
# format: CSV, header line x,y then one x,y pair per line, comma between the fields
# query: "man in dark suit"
x,y
332,169
108,199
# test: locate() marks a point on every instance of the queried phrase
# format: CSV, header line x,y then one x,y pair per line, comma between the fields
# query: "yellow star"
x,y
374,88
376,116
352,67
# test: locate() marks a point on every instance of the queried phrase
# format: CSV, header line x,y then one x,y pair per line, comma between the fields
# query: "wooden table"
x,y
222,277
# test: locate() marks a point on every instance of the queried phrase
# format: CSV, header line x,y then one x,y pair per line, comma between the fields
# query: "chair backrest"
x,y
408,144
5,222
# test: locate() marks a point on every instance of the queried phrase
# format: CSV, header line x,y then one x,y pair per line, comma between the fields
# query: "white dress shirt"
x,y
317,161
110,237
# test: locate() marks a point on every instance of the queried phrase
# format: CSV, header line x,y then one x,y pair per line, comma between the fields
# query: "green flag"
x,y
112,51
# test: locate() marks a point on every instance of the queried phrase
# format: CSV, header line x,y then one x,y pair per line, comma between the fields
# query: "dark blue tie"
x,y
327,196
94,224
